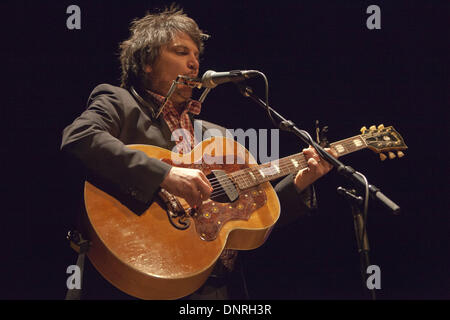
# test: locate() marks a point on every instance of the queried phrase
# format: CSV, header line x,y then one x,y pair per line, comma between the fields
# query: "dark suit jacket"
x,y
114,118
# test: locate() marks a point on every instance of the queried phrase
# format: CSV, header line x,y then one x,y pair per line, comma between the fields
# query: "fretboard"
x,y
253,176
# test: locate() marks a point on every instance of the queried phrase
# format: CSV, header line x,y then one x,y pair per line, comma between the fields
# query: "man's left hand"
x,y
317,167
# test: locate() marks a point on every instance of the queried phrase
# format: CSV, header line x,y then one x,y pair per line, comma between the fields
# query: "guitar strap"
x,y
81,246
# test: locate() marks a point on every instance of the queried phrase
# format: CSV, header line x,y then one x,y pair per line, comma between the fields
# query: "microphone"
x,y
212,78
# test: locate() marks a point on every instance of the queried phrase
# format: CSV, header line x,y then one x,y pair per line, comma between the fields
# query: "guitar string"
x,y
242,174
287,165
284,162
347,143
349,146
222,192
245,180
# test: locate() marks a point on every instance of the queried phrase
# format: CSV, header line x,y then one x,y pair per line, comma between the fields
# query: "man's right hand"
x,y
190,184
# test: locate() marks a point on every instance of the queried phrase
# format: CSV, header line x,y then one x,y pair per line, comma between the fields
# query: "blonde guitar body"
x,y
147,257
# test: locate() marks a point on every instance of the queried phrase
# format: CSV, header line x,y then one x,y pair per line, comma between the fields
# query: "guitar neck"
x,y
253,176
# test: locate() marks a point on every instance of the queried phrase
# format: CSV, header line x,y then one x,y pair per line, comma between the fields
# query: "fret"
x,y
253,176
349,145
261,172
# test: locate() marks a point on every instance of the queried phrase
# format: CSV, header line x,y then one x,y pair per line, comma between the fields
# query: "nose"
x,y
193,63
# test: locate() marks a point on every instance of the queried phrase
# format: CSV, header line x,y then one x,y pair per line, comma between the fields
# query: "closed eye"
x,y
183,50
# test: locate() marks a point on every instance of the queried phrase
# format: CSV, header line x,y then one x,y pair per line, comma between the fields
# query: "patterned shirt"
x,y
180,124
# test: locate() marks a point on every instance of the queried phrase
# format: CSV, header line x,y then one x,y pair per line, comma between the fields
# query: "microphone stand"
x,y
348,172
362,240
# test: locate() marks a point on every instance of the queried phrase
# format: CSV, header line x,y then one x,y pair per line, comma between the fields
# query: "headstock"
x,y
384,139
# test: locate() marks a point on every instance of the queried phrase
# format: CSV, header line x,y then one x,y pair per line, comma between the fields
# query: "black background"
x,y
322,63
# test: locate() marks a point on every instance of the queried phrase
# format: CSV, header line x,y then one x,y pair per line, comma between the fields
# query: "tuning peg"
x,y
391,155
372,128
382,156
400,154
363,129
381,126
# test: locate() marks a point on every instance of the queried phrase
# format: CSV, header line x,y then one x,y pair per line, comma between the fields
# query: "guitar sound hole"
x,y
224,189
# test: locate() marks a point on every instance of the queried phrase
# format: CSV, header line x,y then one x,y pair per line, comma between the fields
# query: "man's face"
x,y
179,57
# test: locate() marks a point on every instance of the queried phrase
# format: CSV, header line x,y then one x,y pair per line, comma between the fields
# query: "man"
x,y
161,47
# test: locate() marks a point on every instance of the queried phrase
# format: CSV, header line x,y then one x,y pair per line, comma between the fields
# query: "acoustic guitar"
x,y
169,251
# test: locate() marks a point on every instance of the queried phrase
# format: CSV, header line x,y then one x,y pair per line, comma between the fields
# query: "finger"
x,y
204,188
303,173
317,158
309,152
313,164
205,179
194,198
323,168
190,198
334,153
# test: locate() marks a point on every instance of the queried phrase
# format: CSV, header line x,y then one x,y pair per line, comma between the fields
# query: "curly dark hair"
x,y
148,35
